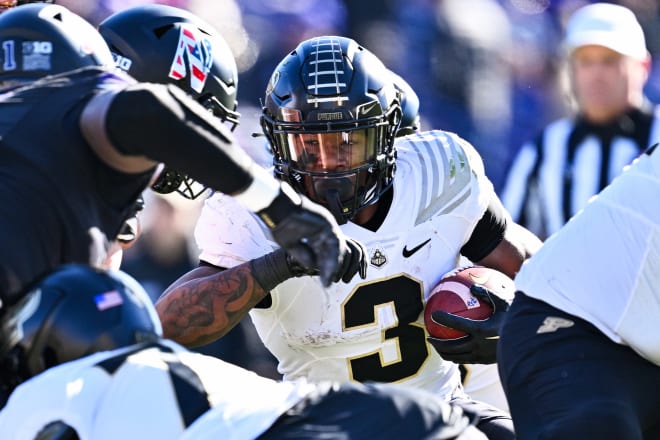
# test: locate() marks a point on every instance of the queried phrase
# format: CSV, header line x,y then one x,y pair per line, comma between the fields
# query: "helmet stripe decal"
x,y
327,54
194,47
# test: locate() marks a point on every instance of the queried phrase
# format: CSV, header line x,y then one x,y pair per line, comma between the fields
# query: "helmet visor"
x,y
335,151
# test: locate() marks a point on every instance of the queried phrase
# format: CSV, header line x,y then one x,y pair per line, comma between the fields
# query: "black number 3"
x,y
405,296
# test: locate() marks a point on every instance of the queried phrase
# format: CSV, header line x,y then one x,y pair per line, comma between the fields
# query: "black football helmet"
x,y
331,113
73,312
410,121
42,39
164,44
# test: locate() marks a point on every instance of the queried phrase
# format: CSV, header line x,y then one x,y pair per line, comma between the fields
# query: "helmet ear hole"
x,y
168,181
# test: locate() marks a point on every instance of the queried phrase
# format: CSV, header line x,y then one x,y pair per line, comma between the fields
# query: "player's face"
x,y
606,83
332,152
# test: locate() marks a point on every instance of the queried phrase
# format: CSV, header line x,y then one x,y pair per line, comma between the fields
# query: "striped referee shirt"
x,y
554,176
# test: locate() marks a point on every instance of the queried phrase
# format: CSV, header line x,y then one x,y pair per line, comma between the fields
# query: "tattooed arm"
x,y
207,302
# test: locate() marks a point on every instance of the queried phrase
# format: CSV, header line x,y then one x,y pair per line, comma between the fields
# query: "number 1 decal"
x,y
9,55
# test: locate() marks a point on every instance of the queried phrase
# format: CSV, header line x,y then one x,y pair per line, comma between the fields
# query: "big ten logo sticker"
x,y
36,55
37,47
122,62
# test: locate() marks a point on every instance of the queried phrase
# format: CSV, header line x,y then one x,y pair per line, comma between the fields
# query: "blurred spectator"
x,y
574,158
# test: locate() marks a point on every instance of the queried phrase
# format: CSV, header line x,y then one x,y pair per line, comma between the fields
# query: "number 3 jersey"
x,y
371,329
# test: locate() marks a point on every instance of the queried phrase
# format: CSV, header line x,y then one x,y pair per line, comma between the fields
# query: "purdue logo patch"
x,y
378,258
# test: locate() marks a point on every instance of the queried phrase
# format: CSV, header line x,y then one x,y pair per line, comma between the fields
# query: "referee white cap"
x,y
609,25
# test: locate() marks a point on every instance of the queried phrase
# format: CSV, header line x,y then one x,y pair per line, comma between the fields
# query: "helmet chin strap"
x,y
334,205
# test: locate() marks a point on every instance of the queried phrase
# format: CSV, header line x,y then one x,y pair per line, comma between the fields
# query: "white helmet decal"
x,y
194,46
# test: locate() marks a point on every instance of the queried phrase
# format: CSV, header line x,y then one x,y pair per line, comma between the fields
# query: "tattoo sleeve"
x,y
207,302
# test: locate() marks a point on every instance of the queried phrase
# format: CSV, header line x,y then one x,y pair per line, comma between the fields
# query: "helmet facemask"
x,y
343,166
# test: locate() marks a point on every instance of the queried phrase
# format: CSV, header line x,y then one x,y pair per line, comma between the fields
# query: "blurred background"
x,y
489,70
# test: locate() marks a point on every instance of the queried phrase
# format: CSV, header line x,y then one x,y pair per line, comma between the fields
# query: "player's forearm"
x,y
203,305
162,123
517,246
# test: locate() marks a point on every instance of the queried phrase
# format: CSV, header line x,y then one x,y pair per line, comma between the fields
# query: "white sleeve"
x,y
227,234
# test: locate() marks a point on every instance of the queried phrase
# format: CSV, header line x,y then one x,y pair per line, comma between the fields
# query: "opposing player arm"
x,y
135,127
143,124
499,243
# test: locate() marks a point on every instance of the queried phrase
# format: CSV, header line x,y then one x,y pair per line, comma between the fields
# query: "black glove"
x,y
311,236
480,345
354,261
278,266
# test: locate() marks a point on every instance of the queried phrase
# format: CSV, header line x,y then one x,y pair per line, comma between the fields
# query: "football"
x,y
452,295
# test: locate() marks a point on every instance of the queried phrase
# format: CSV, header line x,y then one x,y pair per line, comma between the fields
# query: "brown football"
x,y
452,295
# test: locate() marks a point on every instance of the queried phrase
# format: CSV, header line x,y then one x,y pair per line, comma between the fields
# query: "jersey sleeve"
x,y
227,234
466,190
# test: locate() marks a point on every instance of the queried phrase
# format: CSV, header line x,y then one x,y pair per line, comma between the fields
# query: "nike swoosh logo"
x,y
409,252
367,108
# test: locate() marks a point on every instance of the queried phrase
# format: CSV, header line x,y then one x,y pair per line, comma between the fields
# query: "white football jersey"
x,y
154,392
373,329
604,265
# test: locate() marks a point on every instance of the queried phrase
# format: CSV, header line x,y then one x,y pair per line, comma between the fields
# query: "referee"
x,y
572,159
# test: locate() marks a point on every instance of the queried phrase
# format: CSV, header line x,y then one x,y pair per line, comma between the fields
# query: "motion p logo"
x,y
193,57
553,323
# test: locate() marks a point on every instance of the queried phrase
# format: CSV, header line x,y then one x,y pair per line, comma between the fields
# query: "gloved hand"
x,y
480,345
354,261
311,236
278,266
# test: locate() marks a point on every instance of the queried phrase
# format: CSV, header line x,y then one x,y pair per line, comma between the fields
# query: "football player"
x,y
80,141
580,346
418,202
83,358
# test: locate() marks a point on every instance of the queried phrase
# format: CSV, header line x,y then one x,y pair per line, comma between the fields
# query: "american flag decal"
x,y
196,49
108,300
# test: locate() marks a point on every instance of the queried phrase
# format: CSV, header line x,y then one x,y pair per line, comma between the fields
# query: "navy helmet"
x,y
73,312
164,44
41,39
